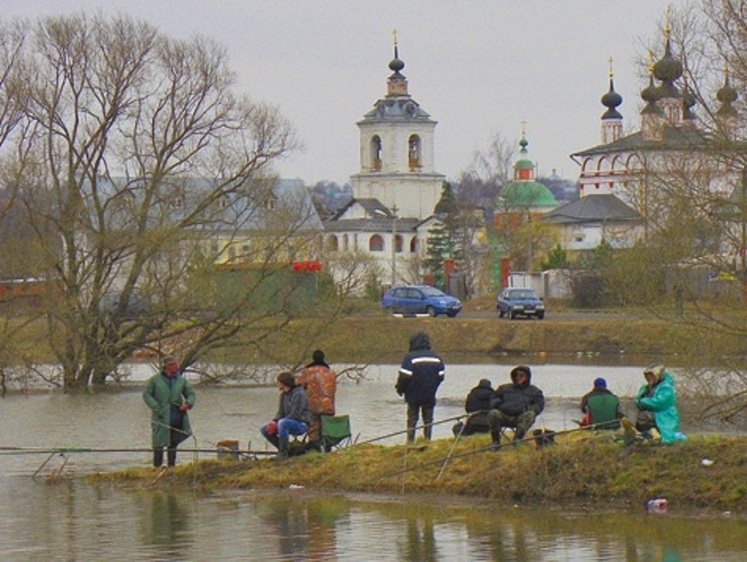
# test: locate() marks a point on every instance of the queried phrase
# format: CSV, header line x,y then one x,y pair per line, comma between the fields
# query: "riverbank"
x,y
591,468
379,338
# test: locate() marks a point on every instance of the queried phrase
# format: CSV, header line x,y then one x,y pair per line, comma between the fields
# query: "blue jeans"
x,y
286,427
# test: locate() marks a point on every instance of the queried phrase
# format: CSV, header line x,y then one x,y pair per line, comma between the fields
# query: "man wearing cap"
x,y
169,396
657,405
293,414
515,405
601,407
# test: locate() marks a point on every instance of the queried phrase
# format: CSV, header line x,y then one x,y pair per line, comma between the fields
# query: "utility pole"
x,y
394,244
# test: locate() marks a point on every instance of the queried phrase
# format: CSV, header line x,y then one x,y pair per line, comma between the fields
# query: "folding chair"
x,y
335,432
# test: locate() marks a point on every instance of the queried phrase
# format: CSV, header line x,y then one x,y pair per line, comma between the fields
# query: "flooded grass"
x,y
580,467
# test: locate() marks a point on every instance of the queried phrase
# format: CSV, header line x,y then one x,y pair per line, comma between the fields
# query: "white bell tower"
x,y
396,151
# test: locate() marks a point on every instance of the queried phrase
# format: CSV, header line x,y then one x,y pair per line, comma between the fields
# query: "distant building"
x,y
627,174
396,188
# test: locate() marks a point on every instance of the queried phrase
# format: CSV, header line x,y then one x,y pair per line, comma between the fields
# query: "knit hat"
x,y
600,383
318,356
287,379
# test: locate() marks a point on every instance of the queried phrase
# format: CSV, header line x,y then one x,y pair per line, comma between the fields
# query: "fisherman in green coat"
x,y
169,396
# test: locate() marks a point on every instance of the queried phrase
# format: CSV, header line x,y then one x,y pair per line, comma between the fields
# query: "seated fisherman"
x,y
657,405
478,405
601,407
293,415
515,405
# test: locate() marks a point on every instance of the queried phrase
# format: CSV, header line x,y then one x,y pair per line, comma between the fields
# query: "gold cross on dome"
x,y
394,36
610,70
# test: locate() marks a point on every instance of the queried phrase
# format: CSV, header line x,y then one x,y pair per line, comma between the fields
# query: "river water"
x,y
69,520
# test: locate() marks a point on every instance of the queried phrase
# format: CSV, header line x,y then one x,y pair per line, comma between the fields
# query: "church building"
x,y
627,176
396,188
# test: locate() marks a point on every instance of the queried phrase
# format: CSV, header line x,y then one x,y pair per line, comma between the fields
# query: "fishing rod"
x,y
494,447
56,450
395,433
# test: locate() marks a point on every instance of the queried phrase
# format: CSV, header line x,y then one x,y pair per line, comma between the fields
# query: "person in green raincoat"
x,y
169,396
657,405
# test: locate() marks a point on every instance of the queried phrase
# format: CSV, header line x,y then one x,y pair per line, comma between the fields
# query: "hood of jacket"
x,y
420,341
521,368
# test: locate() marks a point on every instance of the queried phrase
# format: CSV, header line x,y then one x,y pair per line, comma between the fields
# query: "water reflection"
x,y
73,521
166,526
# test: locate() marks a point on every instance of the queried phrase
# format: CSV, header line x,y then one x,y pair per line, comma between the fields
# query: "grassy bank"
x,y
580,467
381,338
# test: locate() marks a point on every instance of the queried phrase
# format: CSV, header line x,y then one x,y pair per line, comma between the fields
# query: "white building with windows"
x,y
396,189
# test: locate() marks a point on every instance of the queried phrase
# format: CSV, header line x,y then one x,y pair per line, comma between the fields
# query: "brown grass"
x,y
580,467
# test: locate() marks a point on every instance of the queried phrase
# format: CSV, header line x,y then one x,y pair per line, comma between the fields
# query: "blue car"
x,y
517,301
420,299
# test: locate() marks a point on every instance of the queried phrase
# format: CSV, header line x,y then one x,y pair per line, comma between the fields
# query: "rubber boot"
x,y
282,448
171,453
496,436
157,457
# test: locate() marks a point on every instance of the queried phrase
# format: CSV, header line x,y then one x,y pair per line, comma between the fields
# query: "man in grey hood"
x,y
421,373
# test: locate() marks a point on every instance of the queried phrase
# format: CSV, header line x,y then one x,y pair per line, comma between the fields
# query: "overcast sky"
x,y
478,67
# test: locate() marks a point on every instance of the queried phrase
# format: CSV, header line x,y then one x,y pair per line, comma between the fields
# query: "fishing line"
x,y
493,447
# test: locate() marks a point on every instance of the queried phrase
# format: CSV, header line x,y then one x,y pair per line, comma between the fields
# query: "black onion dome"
x,y
650,94
611,100
668,69
396,64
726,93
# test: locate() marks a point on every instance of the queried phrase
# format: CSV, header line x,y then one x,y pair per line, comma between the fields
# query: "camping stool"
x,y
228,449
335,432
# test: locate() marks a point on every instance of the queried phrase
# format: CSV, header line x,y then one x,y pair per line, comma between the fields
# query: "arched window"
x,y
414,245
413,151
376,153
344,242
332,243
398,243
376,243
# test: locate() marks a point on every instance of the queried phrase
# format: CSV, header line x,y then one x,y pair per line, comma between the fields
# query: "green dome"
x,y
525,194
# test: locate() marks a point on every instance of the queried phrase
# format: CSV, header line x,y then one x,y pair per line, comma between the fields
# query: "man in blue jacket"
x,y
421,373
515,405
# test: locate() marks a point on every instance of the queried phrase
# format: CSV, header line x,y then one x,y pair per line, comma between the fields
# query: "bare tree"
x,y
139,169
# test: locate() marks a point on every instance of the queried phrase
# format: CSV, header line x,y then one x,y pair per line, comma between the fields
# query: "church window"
x,y
376,153
376,243
398,243
271,203
413,151
345,242
414,245
332,243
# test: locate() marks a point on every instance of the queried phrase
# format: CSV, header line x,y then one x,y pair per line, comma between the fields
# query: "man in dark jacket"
x,y
420,374
515,405
478,405
293,415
